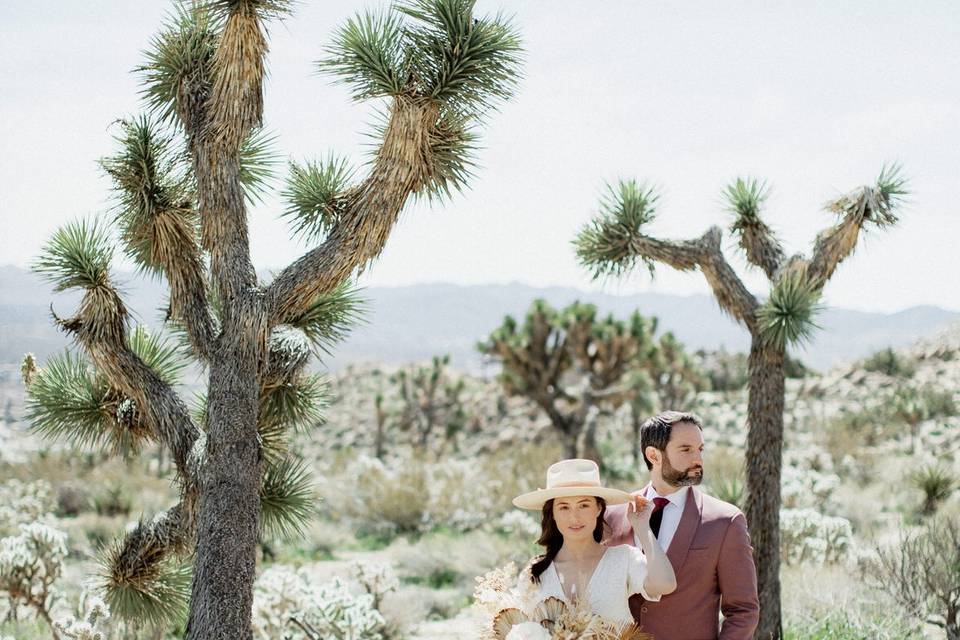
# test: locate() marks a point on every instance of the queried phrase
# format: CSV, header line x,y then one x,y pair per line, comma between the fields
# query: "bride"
x,y
576,567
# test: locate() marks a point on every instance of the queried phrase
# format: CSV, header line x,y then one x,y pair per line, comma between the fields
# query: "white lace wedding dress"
x,y
619,574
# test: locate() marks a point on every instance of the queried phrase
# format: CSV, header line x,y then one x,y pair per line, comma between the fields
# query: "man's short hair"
x,y
655,432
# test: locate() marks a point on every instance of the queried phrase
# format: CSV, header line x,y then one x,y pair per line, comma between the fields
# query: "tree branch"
x,y
100,327
705,252
761,247
403,165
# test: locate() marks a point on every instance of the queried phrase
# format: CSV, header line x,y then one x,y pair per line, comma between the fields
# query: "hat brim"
x,y
534,500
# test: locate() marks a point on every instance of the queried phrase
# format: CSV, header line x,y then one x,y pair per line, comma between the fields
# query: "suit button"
x,y
643,609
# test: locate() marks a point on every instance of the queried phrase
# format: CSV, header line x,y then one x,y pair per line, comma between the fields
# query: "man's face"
x,y
576,517
682,462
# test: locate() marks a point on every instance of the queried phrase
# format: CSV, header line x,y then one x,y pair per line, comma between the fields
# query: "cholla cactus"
x,y
376,578
808,536
23,502
287,604
30,564
90,625
617,239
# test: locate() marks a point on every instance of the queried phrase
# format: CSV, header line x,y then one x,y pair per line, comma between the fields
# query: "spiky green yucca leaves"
x,y
604,245
78,255
331,316
154,192
176,73
158,593
465,61
68,400
286,499
258,161
314,195
443,53
436,54
157,353
877,204
787,316
65,401
745,197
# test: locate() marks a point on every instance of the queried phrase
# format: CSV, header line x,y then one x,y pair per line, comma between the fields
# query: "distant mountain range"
x,y
416,322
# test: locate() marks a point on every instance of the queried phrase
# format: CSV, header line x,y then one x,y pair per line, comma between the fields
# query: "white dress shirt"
x,y
671,514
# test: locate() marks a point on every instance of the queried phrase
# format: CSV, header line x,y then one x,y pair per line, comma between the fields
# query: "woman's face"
x,y
576,517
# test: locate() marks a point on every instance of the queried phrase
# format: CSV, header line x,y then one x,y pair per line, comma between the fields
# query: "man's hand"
x,y
638,514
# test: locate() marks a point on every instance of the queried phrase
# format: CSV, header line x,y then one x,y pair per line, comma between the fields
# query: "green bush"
x,y
889,362
845,626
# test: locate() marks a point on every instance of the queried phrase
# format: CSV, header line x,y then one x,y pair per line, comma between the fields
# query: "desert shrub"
x,y
850,435
287,604
847,625
922,573
889,362
724,475
441,560
808,536
30,564
112,502
72,500
414,496
937,483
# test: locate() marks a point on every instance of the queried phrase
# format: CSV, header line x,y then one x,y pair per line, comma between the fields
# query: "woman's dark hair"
x,y
552,539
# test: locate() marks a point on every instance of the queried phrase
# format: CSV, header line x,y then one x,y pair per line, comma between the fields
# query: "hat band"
x,y
576,483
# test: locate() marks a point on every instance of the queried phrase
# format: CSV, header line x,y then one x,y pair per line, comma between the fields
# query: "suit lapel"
x,y
689,521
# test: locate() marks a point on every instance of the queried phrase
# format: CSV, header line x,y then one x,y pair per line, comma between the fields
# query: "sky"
x,y
813,97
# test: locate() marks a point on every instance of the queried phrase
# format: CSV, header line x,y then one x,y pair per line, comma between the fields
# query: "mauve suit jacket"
x,y
713,560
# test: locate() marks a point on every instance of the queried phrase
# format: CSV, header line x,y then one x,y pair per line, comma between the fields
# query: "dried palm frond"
x,y
505,620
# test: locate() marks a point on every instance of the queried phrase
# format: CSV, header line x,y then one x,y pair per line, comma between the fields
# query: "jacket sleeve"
x,y
737,578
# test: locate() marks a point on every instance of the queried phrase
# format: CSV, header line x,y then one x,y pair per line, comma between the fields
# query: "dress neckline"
x,y
596,569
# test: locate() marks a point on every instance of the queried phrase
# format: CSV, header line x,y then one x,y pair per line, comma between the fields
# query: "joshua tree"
x,y
572,364
617,238
675,374
183,174
429,398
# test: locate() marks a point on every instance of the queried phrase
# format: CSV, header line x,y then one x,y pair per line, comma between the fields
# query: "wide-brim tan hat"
x,y
568,478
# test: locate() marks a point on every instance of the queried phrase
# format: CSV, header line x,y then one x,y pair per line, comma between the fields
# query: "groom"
x,y
705,539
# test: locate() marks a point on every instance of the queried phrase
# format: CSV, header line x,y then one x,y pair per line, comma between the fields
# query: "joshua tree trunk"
x,y
229,508
764,459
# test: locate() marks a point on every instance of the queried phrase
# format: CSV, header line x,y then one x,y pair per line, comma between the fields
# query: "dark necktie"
x,y
657,516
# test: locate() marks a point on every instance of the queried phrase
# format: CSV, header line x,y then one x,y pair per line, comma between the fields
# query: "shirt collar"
x,y
677,498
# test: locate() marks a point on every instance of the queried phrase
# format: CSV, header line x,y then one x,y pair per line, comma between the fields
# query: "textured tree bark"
x,y
764,461
227,524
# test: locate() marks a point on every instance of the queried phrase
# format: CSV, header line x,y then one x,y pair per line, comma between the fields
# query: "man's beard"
x,y
677,478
